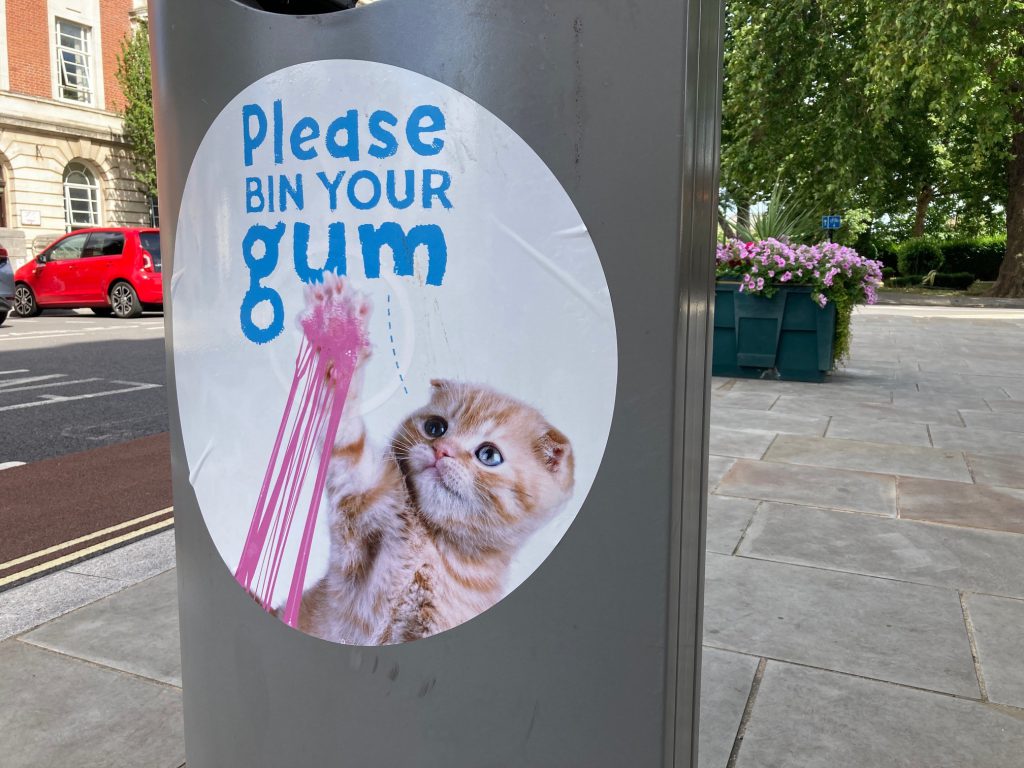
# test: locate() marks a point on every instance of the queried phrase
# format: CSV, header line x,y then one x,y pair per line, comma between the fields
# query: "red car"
x,y
108,270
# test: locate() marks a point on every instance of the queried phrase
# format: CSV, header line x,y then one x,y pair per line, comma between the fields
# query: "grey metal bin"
x,y
593,661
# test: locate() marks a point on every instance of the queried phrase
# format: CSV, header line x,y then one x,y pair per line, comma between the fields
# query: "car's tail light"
x,y
3,255
147,261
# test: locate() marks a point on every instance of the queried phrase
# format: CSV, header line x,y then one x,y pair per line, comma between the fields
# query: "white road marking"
x,y
19,370
4,391
29,380
54,399
48,335
11,464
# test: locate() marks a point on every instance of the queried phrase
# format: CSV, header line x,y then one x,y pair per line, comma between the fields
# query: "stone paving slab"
x,y
961,394
727,520
998,628
769,421
939,555
976,506
1005,471
954,398
842,404
31,604
808,718
726,679
135,631
1015,391
53,595
60,712
1006,406
873,390
133,563
739,443
887,630
879,431
757,401
816,486
984,441
718,466
997,422
908,460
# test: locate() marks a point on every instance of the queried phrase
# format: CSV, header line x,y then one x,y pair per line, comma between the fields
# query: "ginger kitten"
x,y
422,535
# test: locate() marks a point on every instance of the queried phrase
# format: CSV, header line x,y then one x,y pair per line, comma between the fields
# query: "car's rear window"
x,y
151,242
104,244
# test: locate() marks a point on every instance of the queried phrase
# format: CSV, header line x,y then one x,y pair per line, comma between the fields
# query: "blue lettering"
x,y
425,119
278,133
440,190
304,132
286,190
331,186
259,268
349,123
403,249
388,143
250,139
254,201
371,202
410,190
335,252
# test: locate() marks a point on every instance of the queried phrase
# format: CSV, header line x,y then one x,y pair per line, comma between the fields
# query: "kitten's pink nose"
x,y
441,450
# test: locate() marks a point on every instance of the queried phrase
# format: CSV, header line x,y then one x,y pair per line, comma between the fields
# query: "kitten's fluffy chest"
x,y
416,586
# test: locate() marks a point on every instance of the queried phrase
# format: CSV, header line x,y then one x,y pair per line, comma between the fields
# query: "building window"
x,y
73,57
154,211
81,197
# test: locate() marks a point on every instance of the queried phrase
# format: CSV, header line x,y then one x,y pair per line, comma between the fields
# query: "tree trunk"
x,y
743,214
924,199
1010,282
727,231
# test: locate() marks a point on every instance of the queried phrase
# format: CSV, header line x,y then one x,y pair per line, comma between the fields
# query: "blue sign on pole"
x,y
831,222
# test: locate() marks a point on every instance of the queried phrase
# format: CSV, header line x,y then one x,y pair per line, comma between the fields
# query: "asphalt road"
x,y
84,451
72,381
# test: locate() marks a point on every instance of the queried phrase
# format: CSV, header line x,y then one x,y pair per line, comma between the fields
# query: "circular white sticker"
x,y
394,351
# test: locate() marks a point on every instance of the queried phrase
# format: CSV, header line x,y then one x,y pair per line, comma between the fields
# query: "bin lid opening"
x,y
300,7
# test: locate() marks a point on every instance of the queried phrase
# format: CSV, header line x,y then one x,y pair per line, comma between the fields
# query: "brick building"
x,y
63,162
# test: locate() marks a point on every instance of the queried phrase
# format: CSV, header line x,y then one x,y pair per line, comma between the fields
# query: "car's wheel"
x,y
3,317
25,302
102,311
124,301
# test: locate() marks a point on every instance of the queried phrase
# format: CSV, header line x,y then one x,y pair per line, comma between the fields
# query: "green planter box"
x,y
787,336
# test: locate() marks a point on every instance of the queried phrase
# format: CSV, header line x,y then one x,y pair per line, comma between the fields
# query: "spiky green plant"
x,y
785,216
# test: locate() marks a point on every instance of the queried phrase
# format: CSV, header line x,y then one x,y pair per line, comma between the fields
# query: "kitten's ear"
x,y
439,387
555,451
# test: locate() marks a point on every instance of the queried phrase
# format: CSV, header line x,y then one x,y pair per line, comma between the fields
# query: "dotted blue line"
x,y
394,350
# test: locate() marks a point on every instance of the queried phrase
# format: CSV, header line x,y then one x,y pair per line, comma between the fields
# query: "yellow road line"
x,y
81,539
95,548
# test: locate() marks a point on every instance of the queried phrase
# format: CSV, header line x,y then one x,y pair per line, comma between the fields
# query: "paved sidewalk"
x,y
865,576
865,579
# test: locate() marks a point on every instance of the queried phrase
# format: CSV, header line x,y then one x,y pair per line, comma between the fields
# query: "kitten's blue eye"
x,y
489,455
435,426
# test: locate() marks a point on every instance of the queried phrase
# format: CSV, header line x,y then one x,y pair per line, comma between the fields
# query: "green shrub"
x,y
919,256
958,281
981,257
888,272
865,246
887,255
904,281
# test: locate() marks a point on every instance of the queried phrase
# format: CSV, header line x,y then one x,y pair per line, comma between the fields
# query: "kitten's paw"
x,y
337,320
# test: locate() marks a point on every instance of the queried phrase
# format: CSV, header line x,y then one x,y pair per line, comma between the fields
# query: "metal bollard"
x,y
438,334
